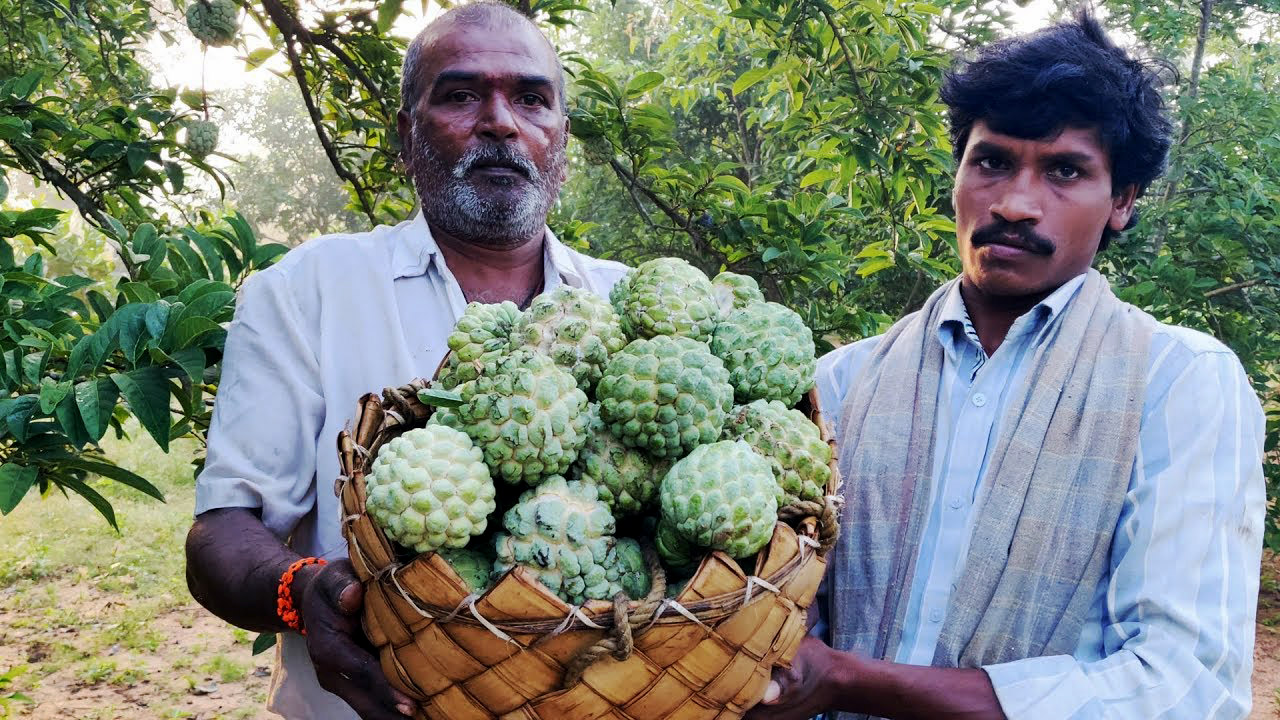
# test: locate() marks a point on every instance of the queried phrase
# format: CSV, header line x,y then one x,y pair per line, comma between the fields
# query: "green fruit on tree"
x,y
735,291
429,489
526,414
666,296
483,333
723,497
665,395
202,138
563,533
576,328
792,444
768,351
213,22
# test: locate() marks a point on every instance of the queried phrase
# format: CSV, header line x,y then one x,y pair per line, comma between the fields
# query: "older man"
x,y
1055,502
484,129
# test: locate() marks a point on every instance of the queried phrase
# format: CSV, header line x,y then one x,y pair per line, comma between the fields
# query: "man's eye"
x,y
992,163
1066,172
461,96
531,99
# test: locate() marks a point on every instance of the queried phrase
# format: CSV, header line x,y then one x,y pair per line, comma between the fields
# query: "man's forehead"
x,y
463,46
1074,139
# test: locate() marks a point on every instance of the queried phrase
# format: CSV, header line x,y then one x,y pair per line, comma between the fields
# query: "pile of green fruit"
x,y
565,433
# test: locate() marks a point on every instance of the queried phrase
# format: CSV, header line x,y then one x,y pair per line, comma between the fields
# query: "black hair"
x,y
1067,75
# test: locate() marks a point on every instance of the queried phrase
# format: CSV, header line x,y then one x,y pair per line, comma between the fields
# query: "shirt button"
x,y
956,503
979,399
936,616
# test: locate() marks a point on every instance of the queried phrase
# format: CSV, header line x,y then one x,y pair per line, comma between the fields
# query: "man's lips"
x,y
499,170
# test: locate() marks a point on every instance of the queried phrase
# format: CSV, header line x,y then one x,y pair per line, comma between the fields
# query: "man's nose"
x,y
497,121
1019,200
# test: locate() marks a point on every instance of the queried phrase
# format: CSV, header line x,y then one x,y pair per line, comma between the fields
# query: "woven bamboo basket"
x,y
520,652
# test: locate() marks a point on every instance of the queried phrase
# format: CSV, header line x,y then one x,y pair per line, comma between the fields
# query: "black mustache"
x,y
499,156
1027,239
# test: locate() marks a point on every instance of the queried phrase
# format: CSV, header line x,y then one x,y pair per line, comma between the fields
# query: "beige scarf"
x,y
1050,498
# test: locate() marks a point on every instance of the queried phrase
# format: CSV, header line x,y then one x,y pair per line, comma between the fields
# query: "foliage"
x,y
8,697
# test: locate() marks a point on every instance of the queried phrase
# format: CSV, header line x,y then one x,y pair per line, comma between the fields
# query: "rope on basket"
x,y
621,642
828,514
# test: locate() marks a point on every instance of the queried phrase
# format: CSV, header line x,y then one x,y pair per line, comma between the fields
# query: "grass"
x,y
84,607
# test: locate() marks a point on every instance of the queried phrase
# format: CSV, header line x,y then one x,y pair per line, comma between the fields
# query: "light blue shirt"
x,y
1171,629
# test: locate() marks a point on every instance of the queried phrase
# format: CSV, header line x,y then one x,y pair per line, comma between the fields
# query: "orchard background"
x,y
801,142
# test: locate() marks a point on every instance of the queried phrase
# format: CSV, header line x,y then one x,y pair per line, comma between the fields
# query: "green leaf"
x,y
4,187
257,57
265,641
146,390
118,474
771,254
749,78
51,394
96,399
93,496
191,360
644,82
136,156
193,329
15,481
176,175
818,176
19,415
439,398
69,418
875,265
388,11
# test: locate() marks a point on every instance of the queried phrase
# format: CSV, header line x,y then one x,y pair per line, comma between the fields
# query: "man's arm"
x,y
258,483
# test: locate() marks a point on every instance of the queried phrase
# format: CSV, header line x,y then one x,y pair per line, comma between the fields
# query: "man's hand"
x,y
810,686
329,606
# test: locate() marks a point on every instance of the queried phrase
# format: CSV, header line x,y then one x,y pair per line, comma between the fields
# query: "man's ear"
x,y
1122,207
405,129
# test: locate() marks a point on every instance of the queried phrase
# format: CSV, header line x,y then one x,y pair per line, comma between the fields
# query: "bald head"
x,y
483,15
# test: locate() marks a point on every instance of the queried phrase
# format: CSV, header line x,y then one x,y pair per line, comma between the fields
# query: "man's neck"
x,y
992,316
492,275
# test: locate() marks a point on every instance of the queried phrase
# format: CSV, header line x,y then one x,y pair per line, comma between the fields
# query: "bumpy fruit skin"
x,y
626,478
472,565
627,569
768,351
576,328
792,444
202,138
429,489
213,22
483,333
526,414
666,296
563,533
735,291
723,497
665,395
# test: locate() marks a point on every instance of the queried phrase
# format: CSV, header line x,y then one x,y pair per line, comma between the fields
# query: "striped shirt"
x,y
1171,629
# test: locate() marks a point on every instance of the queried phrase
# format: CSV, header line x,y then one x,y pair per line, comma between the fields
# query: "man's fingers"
x,y
354,675
367,704
351,598
772,693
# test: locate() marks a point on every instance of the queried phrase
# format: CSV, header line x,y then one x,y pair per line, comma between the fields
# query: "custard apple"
x,y
680,555
723,497
666,296
627,569
576,327
473,566
563,533
202,138
213,22
768,351
483,333
429,489
626,478
665,395
735,291
527,415
791,443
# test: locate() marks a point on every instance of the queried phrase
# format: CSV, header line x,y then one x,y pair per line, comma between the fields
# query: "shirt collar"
x,y
954,323
415,249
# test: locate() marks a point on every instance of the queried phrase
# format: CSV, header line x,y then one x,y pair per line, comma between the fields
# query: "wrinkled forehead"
x,y
498,48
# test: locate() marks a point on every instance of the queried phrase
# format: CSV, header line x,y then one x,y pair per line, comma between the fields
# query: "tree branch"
x,y
682,223
1232,287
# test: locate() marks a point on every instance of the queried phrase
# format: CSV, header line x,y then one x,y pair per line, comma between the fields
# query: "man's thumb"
x,y
351,598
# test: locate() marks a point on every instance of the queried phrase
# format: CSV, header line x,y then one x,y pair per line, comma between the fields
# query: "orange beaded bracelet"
x,y
284,594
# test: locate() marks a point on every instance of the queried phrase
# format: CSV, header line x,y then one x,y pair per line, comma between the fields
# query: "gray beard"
x,y
455,204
